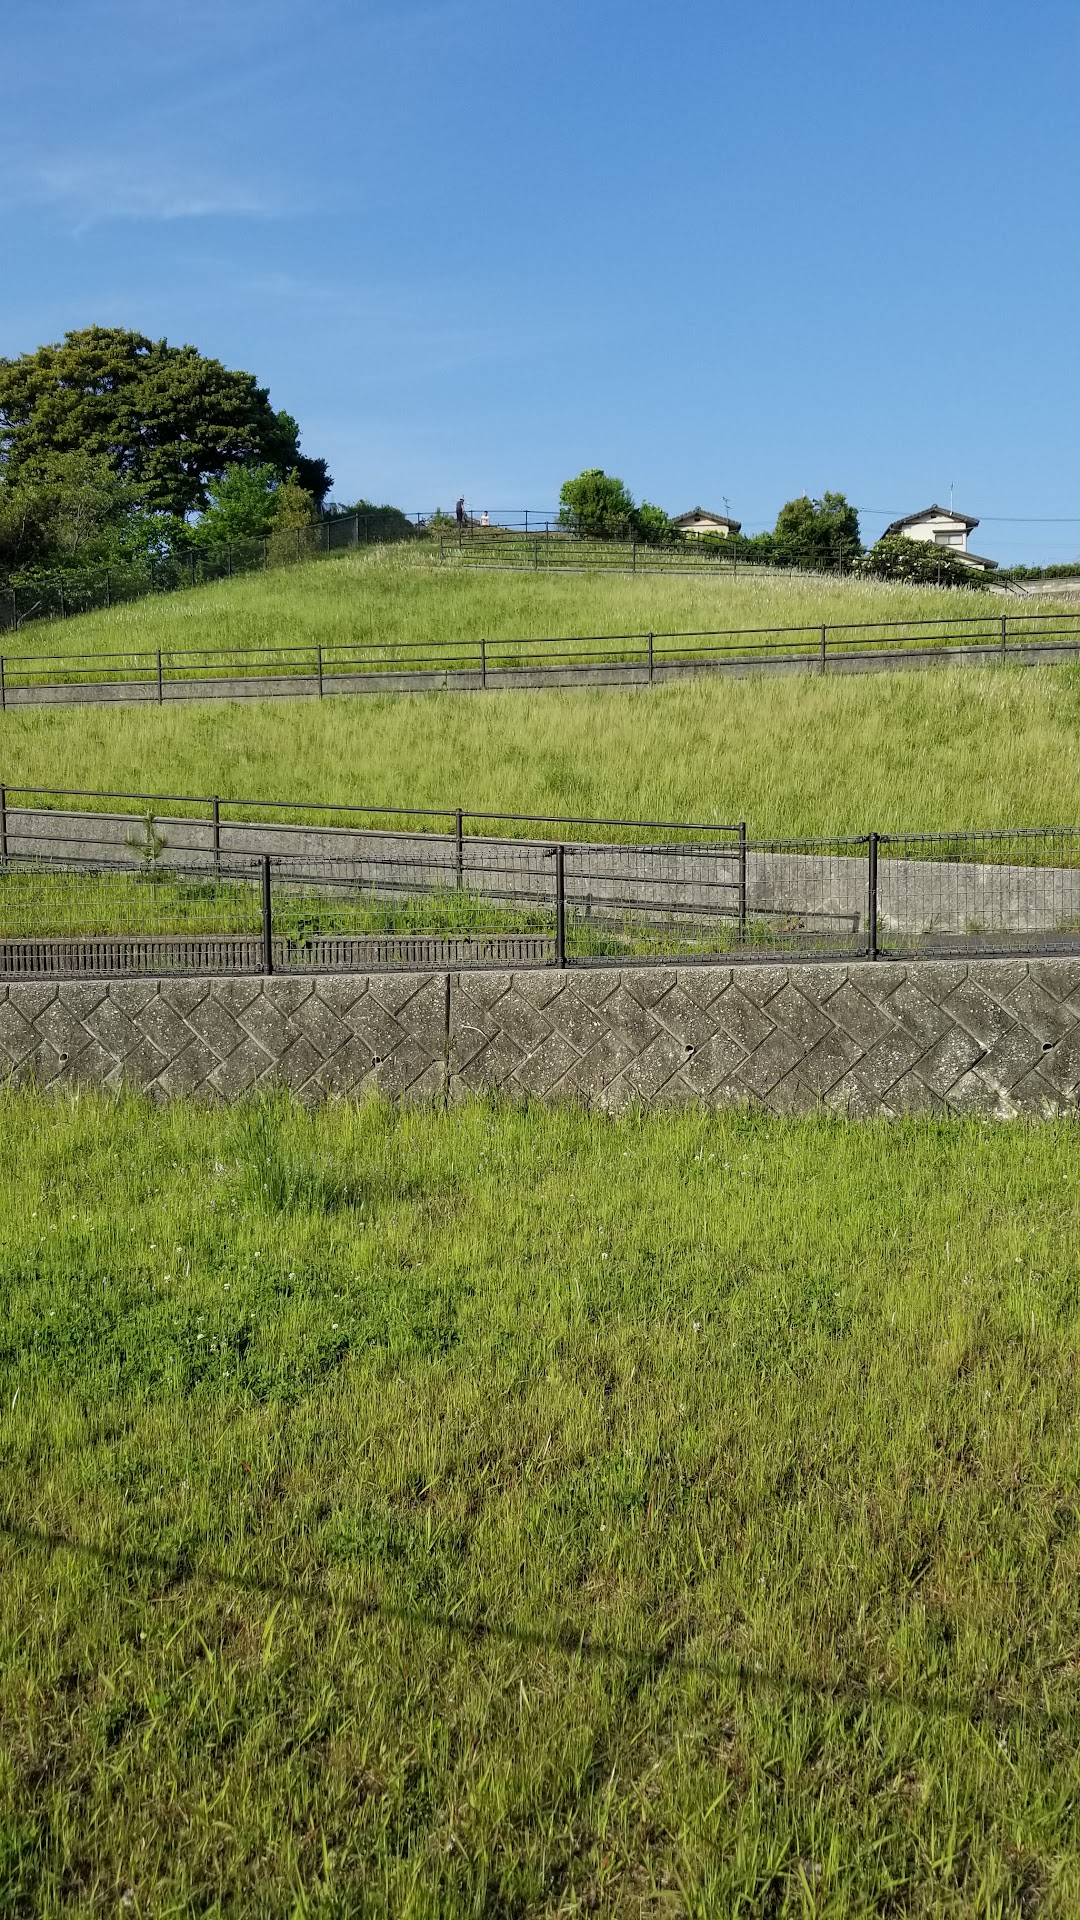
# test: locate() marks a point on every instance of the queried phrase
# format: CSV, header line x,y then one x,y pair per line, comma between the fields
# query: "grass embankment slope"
x,y
914,751
393,597
399,1517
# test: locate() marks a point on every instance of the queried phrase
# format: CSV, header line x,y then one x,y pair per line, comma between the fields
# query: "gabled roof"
x,y
931,513
706,513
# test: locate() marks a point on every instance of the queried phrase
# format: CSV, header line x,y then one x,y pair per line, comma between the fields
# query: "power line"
x,y
999,519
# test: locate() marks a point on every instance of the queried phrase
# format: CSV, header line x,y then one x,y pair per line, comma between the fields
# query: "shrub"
x,y
895,557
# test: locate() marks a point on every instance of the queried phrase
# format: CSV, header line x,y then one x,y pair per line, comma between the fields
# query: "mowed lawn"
x,y
909,751
513,1512
397,597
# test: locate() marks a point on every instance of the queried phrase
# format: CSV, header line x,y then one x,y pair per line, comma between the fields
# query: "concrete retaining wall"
x,y
919,901
994,1038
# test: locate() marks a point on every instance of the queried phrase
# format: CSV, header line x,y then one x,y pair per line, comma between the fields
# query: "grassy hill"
x,y
917,751
904,751
390,596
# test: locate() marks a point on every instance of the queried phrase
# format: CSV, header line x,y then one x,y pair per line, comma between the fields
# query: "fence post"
x,y
267,918
823,649
60,584
228,556
266,554
191,557
536,556
108,589
742,881
560,906
318,652
651,661
216,823
872,898
459,850
483,662
1004,630
160,687
633,556
3,687
297,543
3,823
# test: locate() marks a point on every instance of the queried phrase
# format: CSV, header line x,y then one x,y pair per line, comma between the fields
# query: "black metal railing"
x,y
84,891
368,666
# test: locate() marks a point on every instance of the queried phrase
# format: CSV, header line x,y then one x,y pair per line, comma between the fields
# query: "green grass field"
x,y
390,596
397,1516
910,751
400,1518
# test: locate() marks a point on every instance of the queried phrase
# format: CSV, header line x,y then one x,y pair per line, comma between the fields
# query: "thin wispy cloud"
x,y
89,189
432,325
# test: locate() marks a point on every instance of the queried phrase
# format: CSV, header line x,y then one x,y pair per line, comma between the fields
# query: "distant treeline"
x,y
121,451
821,536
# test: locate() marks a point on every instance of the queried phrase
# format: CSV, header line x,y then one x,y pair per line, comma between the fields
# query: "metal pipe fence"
x,y
537,539
487,664
96,894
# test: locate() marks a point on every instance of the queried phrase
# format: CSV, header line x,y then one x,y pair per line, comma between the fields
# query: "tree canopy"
x,y
600,507
817,533
596,505
167,420
248,503
67,508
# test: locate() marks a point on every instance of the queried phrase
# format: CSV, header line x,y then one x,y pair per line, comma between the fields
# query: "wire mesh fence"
x,y
100,893
62,594
101,916
979,892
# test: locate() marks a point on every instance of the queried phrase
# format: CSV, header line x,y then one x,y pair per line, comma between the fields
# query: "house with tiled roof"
x,y
700,520
943,528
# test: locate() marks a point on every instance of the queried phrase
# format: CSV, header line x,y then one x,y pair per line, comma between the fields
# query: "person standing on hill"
x,y
459,511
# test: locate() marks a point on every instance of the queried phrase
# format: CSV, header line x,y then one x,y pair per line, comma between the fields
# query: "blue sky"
x,y
724,251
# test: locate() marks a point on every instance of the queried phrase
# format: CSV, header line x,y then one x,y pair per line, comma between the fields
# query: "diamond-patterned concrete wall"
x,y
220,1037
992,1037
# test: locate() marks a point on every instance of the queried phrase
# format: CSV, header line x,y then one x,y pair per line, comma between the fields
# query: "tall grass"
x,y
399,1517
897,752
388,595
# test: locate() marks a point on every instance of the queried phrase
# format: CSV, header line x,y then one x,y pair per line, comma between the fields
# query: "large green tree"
x,y
822,534
168,420
597,505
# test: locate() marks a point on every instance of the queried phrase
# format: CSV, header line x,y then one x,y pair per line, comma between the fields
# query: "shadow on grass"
x,y
854,1695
